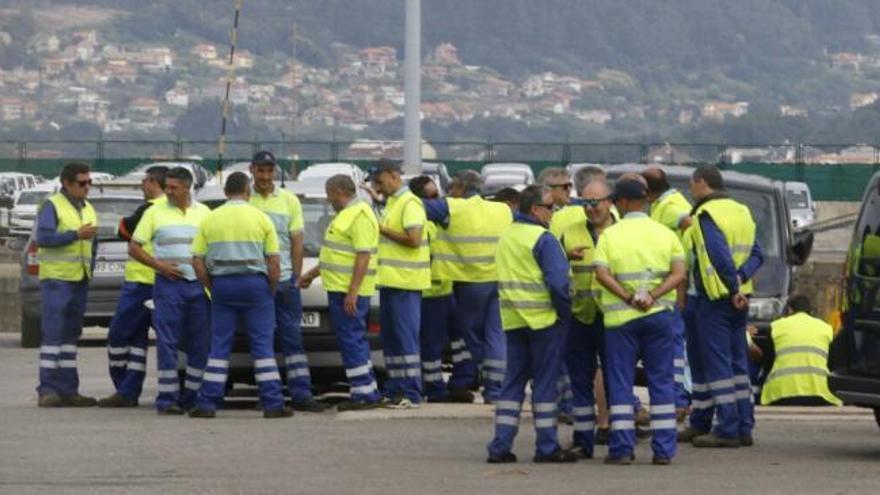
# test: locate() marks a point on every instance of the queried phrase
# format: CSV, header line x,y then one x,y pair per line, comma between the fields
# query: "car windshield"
x,y
797,200
111,210
32,197
317,214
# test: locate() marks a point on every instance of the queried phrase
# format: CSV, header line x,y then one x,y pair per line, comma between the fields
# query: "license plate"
x,y
109,267
311,319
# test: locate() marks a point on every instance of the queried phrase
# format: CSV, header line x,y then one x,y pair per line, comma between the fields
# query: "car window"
x,y
317,214
111,210
32,197
797,200
866,238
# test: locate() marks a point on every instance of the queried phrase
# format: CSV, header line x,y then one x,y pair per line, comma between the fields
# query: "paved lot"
x,y
434,450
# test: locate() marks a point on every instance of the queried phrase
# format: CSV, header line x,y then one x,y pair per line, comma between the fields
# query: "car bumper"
x,y
855,390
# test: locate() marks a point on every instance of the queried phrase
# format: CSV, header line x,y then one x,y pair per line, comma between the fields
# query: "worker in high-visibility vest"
x,y
726,256
236,257
127,335
441,326
638,264
182,312
585,343
465,254
347,266
670,208
66,231
404,272
285,211
535,308
799,376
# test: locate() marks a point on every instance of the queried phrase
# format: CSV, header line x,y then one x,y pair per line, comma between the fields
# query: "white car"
x,y
246,168
800,204
497,176
25,206
323,171
201,177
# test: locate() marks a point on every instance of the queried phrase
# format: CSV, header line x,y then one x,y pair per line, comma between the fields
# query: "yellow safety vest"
x,y
337,255
523,296
641,257
403,267
736,224
801,365
670,208
439,286
235,239
465,252
583,304
566,217
135,271
72,262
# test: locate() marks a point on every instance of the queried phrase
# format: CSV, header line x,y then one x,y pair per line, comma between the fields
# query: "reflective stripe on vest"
x,y
403,267
72,262
523,297
465,251
801,365
584,307
439,286
337,255
735,222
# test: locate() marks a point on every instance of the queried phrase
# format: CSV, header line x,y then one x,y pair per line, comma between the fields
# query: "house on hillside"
x,y
859,100
720,110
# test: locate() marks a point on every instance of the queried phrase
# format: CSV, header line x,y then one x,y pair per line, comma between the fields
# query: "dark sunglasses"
x,y
593,202
567,185
84,183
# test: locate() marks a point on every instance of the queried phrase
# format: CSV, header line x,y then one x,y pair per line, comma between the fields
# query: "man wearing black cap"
x,y
285,211
638,264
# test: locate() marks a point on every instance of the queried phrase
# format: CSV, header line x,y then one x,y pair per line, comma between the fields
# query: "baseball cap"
x,y
263,158
629,189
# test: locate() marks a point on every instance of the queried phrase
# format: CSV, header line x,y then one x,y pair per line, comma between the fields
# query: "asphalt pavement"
x,y
437,449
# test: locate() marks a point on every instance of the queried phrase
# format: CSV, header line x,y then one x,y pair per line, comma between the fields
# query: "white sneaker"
x,y
402,403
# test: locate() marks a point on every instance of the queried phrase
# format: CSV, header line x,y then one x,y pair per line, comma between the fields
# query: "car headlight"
x,y
765,309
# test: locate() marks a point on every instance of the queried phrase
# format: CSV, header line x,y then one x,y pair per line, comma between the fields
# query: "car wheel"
x,y
30,332
877,415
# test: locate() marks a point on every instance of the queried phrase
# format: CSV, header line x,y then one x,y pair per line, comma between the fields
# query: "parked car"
x,y
855,353
111,254
25,206
201,176
246,168
800,204
497,176
438,173
325,360
320,172
12,182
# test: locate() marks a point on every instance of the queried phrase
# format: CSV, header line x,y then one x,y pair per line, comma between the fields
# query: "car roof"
x,y
731,177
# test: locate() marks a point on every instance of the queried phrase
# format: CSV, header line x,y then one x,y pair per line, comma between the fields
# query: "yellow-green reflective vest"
x,y
801,366
337,255
736,224
72,262
522,294
465,252
403,267
641,257
565,218
583,302
670,208
135,271
439,286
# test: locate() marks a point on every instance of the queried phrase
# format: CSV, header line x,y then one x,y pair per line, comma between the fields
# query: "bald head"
x,y
597,205
657,182
596,189
633,176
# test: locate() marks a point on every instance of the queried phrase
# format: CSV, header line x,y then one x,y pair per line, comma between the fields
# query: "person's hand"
x,y
169,269
740,301
752,330
350,304
577,253
644,303
86,232
305,281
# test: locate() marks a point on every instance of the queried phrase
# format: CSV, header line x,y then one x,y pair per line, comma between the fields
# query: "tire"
x,y
30,332
877,415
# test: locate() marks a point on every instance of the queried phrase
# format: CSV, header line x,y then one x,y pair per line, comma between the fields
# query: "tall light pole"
x,y
412,135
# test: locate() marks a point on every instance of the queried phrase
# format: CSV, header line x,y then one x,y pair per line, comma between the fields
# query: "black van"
x,y
855,354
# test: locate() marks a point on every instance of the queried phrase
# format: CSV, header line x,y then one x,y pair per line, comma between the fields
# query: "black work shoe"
x,y
559,456
284,412
564,418
172,410
117,400
201,413
460,396
746,440
355,405
310,405
580,452
504,458
601,437
711,441
688,434
661,461
78,401
619,461
50,400
643,432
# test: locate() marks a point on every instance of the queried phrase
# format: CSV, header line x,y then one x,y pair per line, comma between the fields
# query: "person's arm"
x,y
364,239
719,253
167,269
752,264
271,250
127,225
414,219
437,211
297,225
554,266
202,271
602,273
677,275
47,225
273,271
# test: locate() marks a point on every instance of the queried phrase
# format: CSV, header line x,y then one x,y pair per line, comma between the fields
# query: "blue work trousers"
x,y
246,299
652,339
399,314
480,320
63,309
682,396
719,363
182,320
288,318
351,336
535,355
127,340
584,350
439,327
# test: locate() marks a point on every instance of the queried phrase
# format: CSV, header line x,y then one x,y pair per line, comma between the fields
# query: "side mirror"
x,y
802,246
